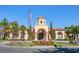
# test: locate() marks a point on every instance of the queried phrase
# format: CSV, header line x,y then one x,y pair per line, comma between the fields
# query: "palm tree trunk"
x,y
73,38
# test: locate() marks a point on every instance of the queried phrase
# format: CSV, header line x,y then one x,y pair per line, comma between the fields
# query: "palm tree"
x,y
1,30
1,24
73,30
14,29
77,30
5,25
67,30
22,29
68,33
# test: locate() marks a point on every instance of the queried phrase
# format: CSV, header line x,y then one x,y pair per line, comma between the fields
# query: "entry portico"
x,y
41,29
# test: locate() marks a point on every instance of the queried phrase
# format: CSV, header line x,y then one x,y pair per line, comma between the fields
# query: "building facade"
x,y
41,31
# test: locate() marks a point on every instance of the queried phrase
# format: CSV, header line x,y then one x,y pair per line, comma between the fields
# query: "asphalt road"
x,y
39,50
5,49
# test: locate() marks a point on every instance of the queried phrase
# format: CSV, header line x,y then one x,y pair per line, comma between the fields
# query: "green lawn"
x,y
2,39
65,44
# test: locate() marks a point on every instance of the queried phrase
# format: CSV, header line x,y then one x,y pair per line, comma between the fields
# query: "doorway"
x,y
41,34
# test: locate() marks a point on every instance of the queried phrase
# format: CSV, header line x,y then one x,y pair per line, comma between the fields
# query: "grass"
x,y
3,41
22,44
65,44
57,44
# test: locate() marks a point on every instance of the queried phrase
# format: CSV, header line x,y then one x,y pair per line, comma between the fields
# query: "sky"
x,y
60,15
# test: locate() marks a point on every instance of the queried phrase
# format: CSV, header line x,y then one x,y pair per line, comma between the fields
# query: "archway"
x,y
60,35
41,35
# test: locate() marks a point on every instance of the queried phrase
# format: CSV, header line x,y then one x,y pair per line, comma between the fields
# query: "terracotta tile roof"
x,y
41,17
58,29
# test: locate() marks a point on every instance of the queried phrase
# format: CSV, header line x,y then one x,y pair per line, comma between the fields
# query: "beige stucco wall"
x,y
57,37
25,36
37,27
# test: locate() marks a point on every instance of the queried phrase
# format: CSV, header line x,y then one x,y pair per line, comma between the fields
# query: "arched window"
x,y
60,35
41,22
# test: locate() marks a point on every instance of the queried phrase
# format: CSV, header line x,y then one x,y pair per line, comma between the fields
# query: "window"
x,y
41,22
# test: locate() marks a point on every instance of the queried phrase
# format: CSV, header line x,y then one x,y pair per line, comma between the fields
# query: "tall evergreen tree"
x,y
51,31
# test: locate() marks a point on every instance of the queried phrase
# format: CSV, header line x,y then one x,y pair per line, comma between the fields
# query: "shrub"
x,y
60,45
55,45
66,39
22,39
33,43
4,38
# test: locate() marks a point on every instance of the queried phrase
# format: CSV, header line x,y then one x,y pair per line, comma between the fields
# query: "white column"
x,y
56,36
47,36
26,36
63,36
19,36
35,36
10,36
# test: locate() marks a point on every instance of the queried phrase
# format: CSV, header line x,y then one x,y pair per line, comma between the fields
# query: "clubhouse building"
x,y
41,32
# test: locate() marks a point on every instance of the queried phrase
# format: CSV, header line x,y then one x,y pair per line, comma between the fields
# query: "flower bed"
x,y
42,43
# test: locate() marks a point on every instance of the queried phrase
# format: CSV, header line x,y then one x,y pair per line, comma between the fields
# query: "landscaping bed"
x,y
38,43
33,43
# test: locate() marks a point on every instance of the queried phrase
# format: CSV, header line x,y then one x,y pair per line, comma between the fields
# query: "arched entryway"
x,y
60,35
41,35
